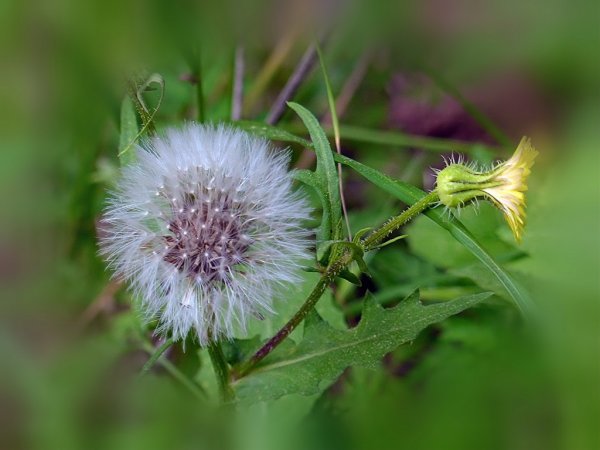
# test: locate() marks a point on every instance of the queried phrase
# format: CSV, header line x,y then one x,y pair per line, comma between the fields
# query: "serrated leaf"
x,y
325,352
326,176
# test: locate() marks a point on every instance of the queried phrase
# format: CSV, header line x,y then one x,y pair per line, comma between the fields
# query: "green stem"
x,y
155,355
343,260
221,370
196,390
377,236
328,277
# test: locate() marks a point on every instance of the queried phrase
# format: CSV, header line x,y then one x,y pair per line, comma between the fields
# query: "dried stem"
x,y
307,158
238,84
300,73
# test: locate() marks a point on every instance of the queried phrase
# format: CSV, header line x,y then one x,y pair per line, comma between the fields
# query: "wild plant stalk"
x,y
221,369
375,239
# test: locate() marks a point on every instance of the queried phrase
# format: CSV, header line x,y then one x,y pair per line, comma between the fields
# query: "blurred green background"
x,y
483,73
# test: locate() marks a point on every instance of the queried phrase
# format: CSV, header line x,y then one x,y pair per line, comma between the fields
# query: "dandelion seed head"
x,y
209,258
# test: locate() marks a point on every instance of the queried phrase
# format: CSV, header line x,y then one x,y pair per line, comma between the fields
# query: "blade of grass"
x,y
128,131
155,356
336,134
301,72
398,139
371,136
326,174
271,132
469,107
367,135
275,60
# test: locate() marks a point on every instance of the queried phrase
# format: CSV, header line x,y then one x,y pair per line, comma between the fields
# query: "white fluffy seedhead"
x,y
205,227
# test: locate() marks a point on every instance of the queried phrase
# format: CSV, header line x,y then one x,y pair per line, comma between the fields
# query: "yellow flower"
x,y
509,193
504,185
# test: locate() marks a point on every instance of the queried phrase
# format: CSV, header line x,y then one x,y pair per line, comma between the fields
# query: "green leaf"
x,y
137,101
485,122
326,176
411,194
350,277
330,99
390,241
129,131
271,132
398,139
324,353
373,136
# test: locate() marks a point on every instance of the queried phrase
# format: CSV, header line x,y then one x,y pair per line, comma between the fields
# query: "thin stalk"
x,y
194,389
301,72
237,96
402,140
277,57
334,269
221,368
377,236
155,356
470,108
336,133
327,278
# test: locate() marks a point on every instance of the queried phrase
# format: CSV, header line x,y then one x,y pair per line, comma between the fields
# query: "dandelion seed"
x,y
504,185
215,267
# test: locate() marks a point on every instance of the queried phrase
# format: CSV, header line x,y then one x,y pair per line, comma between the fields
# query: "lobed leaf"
x,y
324,353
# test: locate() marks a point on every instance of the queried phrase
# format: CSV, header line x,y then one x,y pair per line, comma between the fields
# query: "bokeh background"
x,y
482,73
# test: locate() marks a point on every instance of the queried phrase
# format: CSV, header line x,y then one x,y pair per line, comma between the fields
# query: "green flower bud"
x,y
504,185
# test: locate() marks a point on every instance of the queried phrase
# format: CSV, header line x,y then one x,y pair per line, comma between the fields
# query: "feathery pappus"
x,y
206,229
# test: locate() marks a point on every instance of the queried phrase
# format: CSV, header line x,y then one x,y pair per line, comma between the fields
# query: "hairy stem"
x,y
221,368
377,236
327,278
343,260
